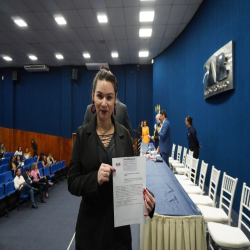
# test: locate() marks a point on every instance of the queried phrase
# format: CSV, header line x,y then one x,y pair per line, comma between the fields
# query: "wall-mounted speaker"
x,y
15,76
74,74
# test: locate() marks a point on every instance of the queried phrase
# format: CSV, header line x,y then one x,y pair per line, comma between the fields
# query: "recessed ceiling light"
x,y
143,53
59,56
86,55
147,16
102,18
60,20
33,57
7,58
20,22
145,32
114,54
152,61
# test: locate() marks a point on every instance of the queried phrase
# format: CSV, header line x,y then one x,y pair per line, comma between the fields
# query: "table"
x,y
177,223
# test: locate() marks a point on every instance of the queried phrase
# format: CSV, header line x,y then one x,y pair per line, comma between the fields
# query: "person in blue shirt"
x,y
164,133
193,143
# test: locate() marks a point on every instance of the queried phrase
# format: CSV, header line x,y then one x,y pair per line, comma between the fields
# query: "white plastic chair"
x,y
191,153
233,237
180,164
192,174
172,154
178,158
210,199
200,188
213,214
184,175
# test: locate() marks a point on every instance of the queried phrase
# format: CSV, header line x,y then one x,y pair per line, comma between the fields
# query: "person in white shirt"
x,y
23,187
19,151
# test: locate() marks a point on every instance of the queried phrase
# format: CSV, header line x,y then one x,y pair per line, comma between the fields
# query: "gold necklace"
x,y
101,128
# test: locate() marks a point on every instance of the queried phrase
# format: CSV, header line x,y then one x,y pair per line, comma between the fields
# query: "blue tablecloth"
x,y
170,197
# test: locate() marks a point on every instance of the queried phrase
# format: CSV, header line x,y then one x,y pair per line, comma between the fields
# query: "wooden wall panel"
x,y
6,136
65,150
59,147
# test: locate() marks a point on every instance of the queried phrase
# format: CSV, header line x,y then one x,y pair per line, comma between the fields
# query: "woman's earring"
x,y
115,109
93,108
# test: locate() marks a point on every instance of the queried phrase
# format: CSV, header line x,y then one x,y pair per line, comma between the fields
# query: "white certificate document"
x,y
129,180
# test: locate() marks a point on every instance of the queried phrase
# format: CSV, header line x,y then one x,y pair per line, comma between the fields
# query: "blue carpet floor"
x,y
50,227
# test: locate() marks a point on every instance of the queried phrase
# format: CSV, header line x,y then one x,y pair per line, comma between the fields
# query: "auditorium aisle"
x,y
51,226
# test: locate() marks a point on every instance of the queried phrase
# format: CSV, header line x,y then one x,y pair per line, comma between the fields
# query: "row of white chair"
x,y
218,221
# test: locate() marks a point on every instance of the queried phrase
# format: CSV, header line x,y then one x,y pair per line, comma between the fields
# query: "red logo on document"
x,y
118,164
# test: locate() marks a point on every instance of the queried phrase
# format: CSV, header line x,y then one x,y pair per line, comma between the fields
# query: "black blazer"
x,y
95,223
121,116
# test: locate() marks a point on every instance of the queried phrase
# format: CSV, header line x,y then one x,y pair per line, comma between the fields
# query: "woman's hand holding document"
x,y
132,202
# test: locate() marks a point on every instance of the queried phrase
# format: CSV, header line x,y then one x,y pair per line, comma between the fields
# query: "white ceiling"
x,y
43,37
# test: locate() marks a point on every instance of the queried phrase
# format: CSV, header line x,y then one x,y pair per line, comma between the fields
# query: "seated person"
x,y
29,180
40,157
27,154
37,177
18,162
44,162
19,151
12,165
50,159
2,150
23,187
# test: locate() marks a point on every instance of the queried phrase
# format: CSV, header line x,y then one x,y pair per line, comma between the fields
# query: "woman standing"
x,y
90,171
193,142
145,132
34,146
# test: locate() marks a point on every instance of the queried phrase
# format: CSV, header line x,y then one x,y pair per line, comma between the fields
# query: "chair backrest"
x,y
46,171
3,168
26,162
63,163
53,168
191,152
58,165
9,187
41,172
2,195
193,170
35,158
173,150
5,161
244,207
203,174
8,176
184,155
188,165
179,153
2,179
39,165
213,185
227,193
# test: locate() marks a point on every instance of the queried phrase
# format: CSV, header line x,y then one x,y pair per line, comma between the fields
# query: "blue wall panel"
x,y
8,100
222,122
1,96
51,103
37,102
